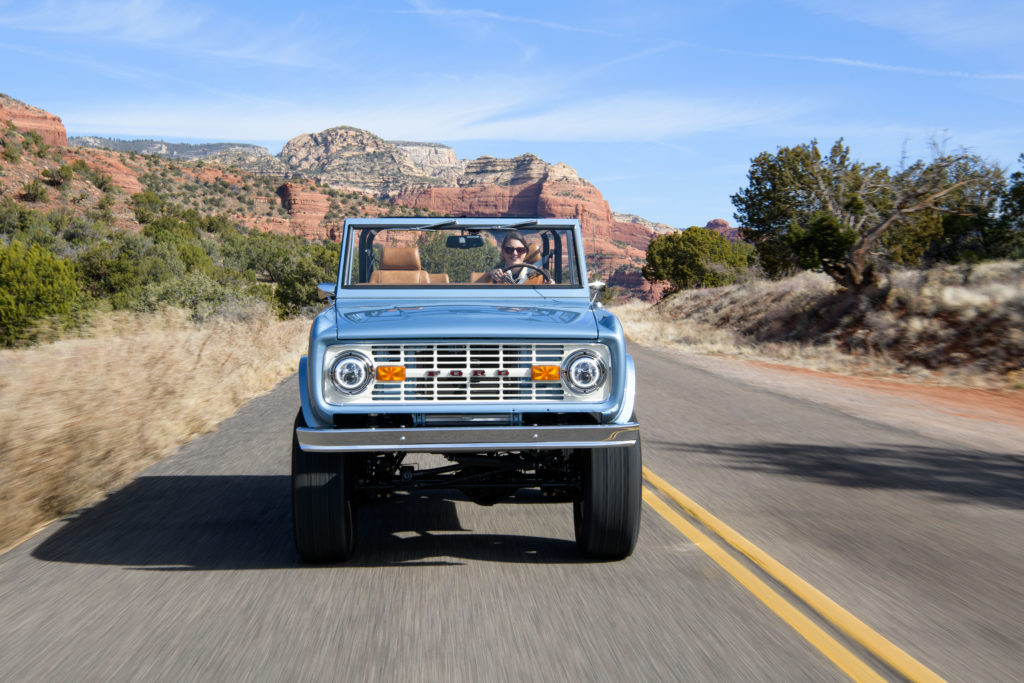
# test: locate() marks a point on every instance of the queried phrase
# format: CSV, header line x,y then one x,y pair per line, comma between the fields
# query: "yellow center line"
x,y
811,596
849,663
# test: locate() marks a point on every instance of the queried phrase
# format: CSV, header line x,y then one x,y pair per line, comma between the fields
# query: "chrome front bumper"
x,y
447,439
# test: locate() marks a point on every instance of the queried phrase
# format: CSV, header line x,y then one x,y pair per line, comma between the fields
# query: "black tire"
x,y
323,510
607,511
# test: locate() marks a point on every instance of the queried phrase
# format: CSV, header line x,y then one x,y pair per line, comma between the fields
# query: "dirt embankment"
x,y
952,324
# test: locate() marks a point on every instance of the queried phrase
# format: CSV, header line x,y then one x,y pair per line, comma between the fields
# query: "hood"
x,y
552,320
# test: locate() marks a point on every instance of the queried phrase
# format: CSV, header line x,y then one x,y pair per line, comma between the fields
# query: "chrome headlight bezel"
x,y
361,362
591,365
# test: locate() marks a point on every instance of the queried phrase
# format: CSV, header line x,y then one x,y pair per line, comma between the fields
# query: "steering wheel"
x,y
508,278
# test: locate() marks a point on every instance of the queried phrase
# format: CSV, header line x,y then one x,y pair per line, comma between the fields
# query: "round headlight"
x,y
351,372
584,372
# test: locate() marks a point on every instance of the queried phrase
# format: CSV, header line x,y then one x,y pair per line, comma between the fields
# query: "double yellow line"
x,y
853,627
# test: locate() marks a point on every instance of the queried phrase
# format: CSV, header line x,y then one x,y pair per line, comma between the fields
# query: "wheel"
x,y
607,511
542,271
323,511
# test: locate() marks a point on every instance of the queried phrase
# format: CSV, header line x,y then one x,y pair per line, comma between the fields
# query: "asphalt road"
x,y
189,573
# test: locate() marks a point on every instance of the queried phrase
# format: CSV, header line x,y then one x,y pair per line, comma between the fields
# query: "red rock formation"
x,y
633,281
108,163
306,210
27,117
610,244
722,227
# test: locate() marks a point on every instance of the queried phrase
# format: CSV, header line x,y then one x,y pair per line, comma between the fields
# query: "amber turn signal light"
x,y
391,373
544,373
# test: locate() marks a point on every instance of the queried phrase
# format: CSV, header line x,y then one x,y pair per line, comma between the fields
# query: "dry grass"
x,y
952,324
80,417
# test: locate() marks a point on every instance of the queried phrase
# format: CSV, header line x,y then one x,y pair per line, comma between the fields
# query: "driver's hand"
x,y
497,275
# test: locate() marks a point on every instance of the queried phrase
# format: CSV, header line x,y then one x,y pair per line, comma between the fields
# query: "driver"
x,y
513,255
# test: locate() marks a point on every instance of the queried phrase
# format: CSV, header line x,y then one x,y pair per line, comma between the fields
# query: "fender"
x,y
627,408
307,407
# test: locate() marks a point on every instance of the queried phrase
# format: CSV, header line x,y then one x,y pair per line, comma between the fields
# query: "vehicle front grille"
x,y
467,372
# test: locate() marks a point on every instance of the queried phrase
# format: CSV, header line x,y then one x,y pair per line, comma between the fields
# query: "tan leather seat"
x,y
399,266
533,255
438,278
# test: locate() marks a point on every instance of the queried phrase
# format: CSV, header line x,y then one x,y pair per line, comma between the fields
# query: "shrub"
x,y
36,140
34,191
58,177
695,257
35,285
12,150
99,180
147,206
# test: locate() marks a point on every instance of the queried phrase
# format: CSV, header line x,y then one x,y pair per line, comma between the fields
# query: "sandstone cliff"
x,y
26,117
659,228
527,186
350,158
432,159
722,227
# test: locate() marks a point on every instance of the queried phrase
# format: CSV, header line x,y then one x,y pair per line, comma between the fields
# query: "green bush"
x,y
36,140
34,191
12,150
115,265
35,285
147,206
695,257
99,180
59,176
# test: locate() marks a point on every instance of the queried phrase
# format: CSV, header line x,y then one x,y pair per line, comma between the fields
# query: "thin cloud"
x,y
136,21
980,23
171,27
630,117
484,15
458,116
860,64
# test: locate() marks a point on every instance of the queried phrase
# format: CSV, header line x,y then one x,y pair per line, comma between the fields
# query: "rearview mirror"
x,y
464,241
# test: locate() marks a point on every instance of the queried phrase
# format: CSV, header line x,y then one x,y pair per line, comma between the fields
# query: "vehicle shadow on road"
x,y
181,523
996,478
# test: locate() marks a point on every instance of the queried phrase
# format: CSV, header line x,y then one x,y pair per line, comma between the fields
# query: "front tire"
x,y
607,511
323,511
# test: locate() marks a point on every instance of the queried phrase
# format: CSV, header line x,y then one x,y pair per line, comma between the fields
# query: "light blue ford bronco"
x,y
501,366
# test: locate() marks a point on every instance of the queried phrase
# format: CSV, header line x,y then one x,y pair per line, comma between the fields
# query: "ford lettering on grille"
x,y
467,372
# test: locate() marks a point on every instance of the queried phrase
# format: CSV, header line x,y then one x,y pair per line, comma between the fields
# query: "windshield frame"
x,y
354,227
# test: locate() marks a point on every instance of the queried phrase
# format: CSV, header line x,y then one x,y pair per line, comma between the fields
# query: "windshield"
x,y
451,256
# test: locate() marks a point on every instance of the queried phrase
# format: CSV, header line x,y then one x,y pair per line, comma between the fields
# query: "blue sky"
x,y
659,104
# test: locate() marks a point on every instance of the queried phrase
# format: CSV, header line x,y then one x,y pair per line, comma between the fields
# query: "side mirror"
x,y
596,287
325,291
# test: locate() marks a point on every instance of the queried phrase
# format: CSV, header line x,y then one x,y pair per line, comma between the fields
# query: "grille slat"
x,y
445,359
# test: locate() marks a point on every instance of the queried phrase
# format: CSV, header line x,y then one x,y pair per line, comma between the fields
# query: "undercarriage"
x,y
484,478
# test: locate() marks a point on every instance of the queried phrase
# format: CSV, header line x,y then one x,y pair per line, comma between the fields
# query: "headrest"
x,y
533,255
400,258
